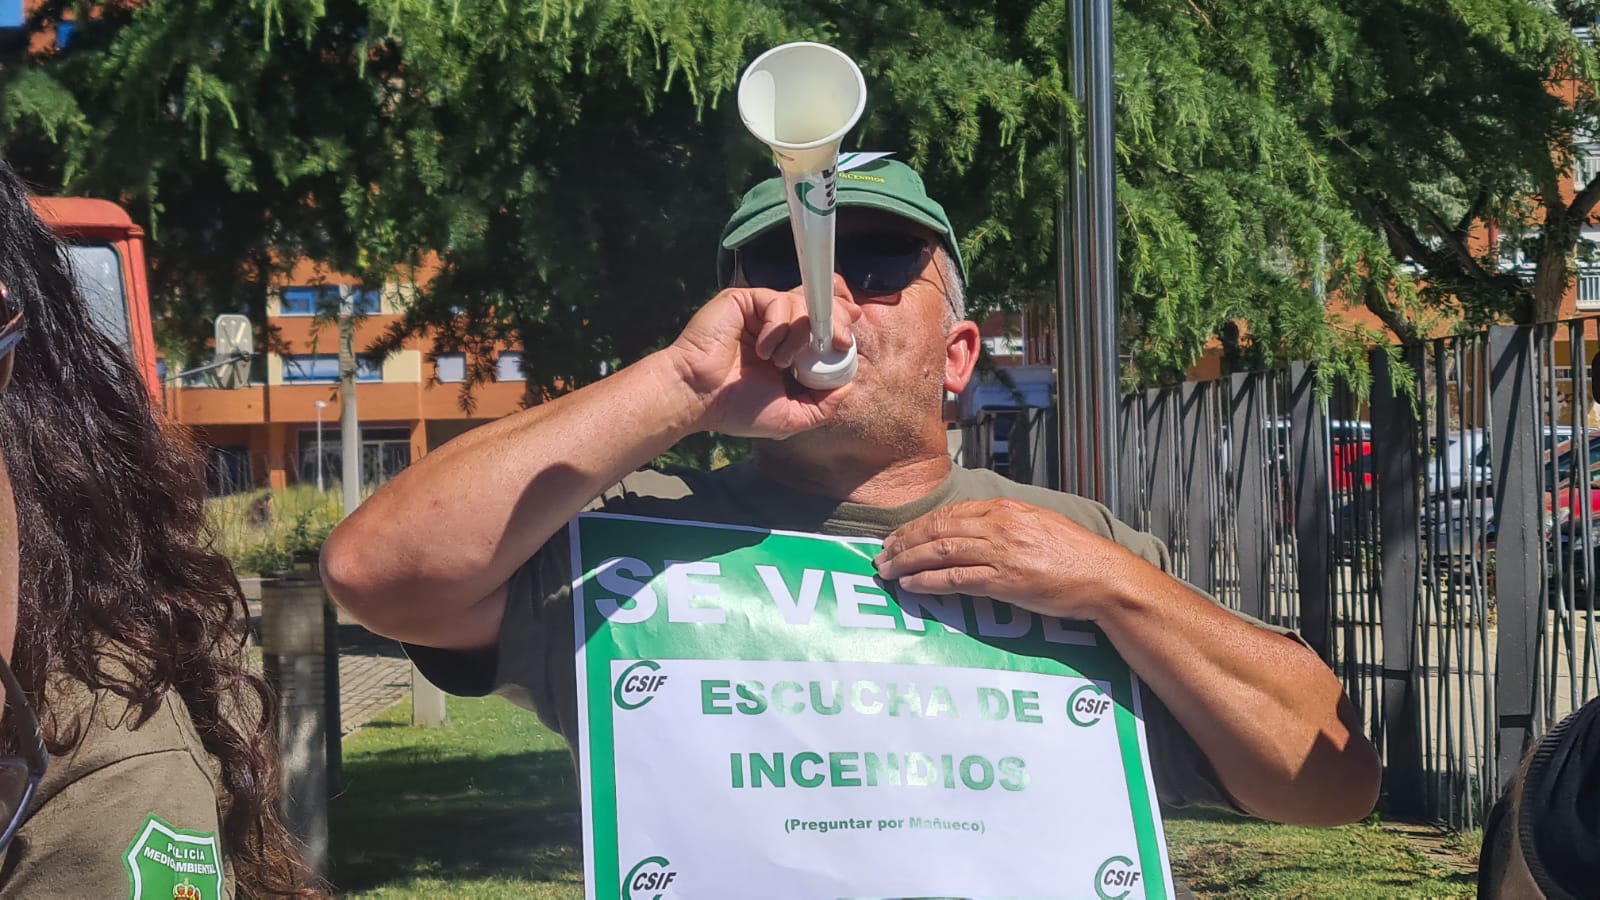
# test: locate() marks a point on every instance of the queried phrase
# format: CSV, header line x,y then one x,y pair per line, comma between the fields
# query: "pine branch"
x,y
1376,298
1583,204
1404,241
1463,254
1473,214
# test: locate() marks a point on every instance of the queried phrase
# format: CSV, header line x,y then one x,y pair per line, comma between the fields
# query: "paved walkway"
x,y
373,675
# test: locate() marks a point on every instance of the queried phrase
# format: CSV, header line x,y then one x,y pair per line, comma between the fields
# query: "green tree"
x,y
1437,119
569,163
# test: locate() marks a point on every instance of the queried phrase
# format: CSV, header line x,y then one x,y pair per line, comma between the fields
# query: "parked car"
x,y
1352,465
1002,395
1462,459
1457,509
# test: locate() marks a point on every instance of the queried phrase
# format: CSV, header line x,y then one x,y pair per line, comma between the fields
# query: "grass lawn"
x,y
1218,855
488,808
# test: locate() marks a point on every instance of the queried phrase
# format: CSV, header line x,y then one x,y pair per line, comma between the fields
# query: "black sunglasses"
x,y
20,772
11,328
873,263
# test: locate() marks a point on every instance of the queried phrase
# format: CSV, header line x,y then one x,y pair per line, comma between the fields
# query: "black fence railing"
x,y
1438,546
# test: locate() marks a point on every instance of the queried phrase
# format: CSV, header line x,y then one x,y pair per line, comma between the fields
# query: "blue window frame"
x,y
308,301
368,301
323,368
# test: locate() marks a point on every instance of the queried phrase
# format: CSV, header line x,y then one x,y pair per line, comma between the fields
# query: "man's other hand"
x,y
1010,551
735,355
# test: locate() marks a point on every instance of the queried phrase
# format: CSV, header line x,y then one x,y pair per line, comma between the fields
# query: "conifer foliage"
x,y
569,163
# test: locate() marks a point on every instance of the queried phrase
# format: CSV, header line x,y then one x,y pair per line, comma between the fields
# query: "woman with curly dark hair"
x,y
162,773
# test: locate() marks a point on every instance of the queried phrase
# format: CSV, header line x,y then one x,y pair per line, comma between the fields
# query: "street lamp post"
x,y
321,405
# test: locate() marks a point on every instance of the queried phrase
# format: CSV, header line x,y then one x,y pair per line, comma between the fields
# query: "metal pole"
x,y
1066,397
1088,367
1396,458
1107,386
295,659
320,405
1069,285
349,420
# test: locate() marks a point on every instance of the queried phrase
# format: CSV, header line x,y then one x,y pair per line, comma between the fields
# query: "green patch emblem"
x,y
166,863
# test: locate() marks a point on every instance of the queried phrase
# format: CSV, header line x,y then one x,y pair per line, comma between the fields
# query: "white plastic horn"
x,y
800,99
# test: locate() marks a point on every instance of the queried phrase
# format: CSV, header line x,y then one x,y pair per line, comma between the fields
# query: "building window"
x,y
450,368
324,300
368,301
1589,287
1585,166
207,378
1003,346
509,367
324,369
308,301
385,452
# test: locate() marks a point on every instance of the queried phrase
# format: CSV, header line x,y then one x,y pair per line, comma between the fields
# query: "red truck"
x,y
106,252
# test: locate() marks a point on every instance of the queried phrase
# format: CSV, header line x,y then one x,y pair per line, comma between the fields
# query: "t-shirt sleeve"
x,y
519,666
1183,775
535,666
532,662
98,834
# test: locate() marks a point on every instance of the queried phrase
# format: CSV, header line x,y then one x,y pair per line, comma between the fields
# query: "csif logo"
x,y
1116,872
1086,705
803,189
638,684
653,873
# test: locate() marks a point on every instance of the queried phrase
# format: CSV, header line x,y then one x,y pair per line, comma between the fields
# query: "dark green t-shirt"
x,y
130,811
535,668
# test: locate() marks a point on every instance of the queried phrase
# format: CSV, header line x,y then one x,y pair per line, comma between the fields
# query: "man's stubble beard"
x,y
890,417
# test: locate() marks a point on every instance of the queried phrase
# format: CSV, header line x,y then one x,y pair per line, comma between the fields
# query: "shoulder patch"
x,y
167,863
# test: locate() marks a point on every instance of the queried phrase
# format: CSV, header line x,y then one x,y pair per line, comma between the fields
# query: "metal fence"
x,y
1433,542
234,470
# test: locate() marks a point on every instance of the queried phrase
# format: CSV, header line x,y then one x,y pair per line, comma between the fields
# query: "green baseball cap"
x,y
883,184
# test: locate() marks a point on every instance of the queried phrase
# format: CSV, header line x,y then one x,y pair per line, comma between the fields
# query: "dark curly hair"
x,y
115,552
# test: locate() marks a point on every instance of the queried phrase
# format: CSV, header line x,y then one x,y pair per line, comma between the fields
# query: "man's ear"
x,y
960,355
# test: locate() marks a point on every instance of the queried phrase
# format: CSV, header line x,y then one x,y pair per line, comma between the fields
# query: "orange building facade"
x,y
264,434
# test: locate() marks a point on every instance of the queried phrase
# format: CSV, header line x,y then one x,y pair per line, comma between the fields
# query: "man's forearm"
x,y
453,528
1269,716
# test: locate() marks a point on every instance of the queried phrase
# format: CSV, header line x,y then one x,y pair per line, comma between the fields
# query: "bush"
x,y
263,532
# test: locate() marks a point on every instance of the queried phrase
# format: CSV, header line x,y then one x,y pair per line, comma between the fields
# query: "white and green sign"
x,y
167,863
761,716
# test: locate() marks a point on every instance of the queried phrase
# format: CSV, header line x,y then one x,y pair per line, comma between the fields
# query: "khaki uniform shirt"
x,y
133,801
534,665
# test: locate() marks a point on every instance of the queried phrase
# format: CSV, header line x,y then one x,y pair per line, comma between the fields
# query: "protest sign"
x,y
760,716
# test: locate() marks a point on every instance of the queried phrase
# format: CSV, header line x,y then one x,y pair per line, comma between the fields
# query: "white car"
x,y
1462,461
